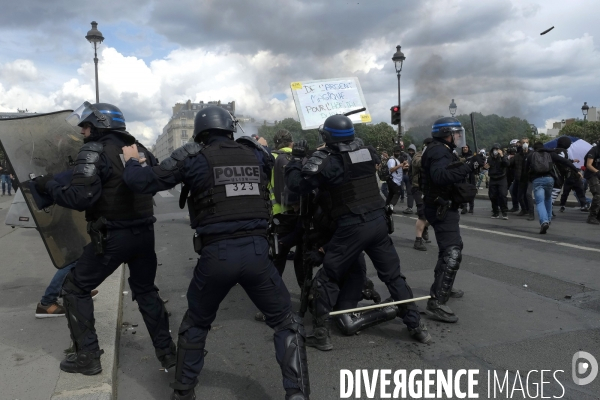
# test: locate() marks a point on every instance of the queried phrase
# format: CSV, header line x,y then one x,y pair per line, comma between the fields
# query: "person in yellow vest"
x,y
285,209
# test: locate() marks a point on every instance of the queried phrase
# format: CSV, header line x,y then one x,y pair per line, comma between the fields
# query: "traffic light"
x,y
395,115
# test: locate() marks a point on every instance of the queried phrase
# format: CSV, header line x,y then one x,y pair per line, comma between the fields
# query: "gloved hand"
x,y
476,161
40,182
299,150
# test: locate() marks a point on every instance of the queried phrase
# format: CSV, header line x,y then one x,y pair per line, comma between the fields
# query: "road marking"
x,y
165,193
472,228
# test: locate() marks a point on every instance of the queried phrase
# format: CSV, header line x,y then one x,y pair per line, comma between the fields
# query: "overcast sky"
x,y
487,55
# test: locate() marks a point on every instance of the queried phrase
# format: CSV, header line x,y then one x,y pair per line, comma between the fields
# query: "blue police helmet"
x,y
445,127
102,116
337,128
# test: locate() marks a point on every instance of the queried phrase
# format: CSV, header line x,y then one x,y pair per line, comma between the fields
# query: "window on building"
x,y
194,107
184,134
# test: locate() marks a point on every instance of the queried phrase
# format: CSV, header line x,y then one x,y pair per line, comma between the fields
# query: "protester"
x,y
539,165
412,149
497,164
592,174
395,180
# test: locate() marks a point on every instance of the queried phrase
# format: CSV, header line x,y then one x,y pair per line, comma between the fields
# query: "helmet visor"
x,y
459,138
79,114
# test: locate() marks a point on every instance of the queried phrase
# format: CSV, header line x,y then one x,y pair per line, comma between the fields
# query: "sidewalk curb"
x,y
108,314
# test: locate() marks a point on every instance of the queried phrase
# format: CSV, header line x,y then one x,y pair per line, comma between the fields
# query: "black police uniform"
x,y
441,170
594,183
126,219
229,210
347,172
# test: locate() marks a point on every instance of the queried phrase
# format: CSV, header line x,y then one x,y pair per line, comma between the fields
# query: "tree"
x,y
586,130
489,129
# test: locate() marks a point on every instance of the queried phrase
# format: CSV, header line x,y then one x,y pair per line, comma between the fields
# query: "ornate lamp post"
x,y
452,108
95,36
398,60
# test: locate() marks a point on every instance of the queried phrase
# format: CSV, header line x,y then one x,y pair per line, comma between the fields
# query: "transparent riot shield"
x,y
40,145
18,214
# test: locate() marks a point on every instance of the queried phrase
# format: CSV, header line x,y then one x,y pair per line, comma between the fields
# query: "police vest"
x,y
117,202
237,189
431,191
359,194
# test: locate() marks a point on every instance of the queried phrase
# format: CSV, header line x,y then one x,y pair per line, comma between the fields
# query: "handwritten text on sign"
x,y
317,100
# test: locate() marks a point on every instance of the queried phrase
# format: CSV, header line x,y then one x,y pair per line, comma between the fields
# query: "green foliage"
x,y
588,131
489,129
381,135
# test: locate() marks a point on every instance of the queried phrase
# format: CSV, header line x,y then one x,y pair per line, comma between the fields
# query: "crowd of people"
x,y
535,177
250,205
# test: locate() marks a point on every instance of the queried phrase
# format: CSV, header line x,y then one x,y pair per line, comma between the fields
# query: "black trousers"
x,y
514,191
575,184
447,234
280,259
134,246
394,193
497,192
345,247
223,264
525,196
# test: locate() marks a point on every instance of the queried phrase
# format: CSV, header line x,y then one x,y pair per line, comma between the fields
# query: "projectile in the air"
x,y
546,31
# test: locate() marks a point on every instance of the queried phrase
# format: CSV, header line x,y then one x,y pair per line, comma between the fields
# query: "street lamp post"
x,y
452,108
398,59
95,36
584,110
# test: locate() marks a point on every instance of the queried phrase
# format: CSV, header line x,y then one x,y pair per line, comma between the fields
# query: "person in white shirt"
x,y
395,180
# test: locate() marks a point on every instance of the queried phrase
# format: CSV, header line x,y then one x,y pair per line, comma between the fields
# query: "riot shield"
x,y
40,145
18,213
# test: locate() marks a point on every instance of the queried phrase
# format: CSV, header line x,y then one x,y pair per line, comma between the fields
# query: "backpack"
x,y
280,188
384,171
541,162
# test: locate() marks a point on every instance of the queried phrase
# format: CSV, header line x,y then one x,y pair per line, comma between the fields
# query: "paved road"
x,y
515,315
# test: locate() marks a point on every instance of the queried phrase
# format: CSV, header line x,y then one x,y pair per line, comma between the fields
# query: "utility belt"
x,y
353,219
202,241
97,231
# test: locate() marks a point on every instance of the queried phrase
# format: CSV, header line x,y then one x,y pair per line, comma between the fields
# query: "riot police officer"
x,y
229,211
592,174
443,192
121,226
346,171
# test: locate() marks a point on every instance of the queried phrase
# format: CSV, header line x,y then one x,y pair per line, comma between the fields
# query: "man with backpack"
x,y
540,166
384,173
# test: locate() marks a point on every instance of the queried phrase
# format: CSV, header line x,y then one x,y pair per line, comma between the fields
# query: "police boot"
x,y
593,220
168,356
456,293
320,339
440,312
83,362
419,244
183,395
420,333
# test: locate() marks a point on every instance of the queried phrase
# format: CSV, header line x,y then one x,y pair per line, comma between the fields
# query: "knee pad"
x,y
79,325
185,345
291,353
349,324
324,294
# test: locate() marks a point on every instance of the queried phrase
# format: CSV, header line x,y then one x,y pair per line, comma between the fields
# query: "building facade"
x,y
180,127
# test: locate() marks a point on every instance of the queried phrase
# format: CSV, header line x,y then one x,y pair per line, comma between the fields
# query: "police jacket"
x,y
345,172
593,154
498,167
227,181
441,169
97,185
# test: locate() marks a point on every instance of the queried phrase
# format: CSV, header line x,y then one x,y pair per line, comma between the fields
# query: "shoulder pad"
x,y
316,163
251,142
84,171
168,164
187,150
93,146
347,147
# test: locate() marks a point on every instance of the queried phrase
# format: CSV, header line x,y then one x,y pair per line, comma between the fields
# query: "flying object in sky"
x,y
546,31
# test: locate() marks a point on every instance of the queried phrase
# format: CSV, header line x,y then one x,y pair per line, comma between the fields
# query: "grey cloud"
x,y
289,27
